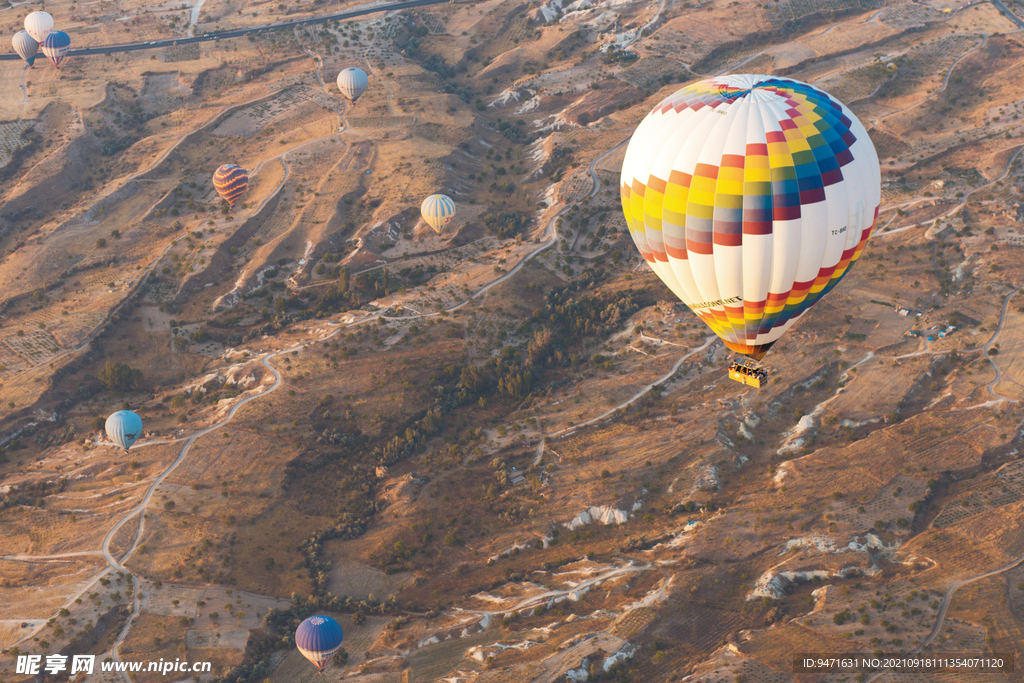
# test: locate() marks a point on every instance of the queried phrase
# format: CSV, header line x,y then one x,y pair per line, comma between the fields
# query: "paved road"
x,y
239,33
593,172
1007,13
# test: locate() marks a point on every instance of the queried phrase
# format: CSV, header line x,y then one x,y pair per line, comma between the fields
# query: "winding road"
x,y
945,82
552,225
984,348
625,404
958,207
947,599
988,345
117,564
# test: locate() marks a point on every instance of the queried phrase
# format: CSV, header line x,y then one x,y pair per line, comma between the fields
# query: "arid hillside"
x,y
503,451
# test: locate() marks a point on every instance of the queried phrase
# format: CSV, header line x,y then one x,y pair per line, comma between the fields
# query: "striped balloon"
x,y
318,639
438,211
750,197
352,83
230,181
56,47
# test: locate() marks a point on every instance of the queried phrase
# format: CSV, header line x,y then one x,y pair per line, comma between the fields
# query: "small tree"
x,y
120,377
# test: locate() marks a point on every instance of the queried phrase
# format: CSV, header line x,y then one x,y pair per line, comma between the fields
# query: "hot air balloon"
x,y
230,181
124,428
56,47
352,83
26,46
318,638
750,196
39,25
437,210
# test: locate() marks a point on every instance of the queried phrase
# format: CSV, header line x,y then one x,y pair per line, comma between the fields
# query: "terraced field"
x,y
189,52
577,186
908,15
777,14
888,507
10,139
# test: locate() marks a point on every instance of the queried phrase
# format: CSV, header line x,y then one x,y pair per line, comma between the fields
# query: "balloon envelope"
x,y
56,46
437,210
39,25
318,638
25,45
352,83
750,196
230,181
124,428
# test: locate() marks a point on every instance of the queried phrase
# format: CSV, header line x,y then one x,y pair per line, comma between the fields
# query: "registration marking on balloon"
x,y
717,302
750,196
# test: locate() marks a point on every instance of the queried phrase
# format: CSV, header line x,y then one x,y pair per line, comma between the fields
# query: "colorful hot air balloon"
x,y
318,638
26,46
124,428
438,210
39,25
56,47
750,197
352,83
230,181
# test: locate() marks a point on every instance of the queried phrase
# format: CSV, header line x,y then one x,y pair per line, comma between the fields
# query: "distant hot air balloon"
x,y
437,210
26,46
352,83
39,25
750,197
56,47
124,428
230,181
318,638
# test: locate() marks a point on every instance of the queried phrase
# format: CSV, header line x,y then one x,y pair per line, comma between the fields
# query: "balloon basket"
x,y
745,372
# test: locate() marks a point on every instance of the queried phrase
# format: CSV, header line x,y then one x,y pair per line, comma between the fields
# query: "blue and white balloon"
x,y
124,428
318,638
